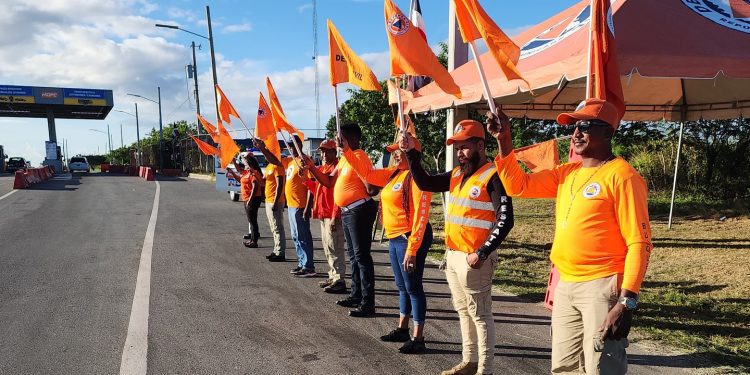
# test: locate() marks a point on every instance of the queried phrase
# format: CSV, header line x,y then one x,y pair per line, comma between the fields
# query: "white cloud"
x,y
237,28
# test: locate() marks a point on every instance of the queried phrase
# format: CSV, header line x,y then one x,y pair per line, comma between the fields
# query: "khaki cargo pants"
x,y
334,247
578,310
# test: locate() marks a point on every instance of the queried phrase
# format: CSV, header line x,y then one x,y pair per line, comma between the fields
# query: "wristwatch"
x,y
630,303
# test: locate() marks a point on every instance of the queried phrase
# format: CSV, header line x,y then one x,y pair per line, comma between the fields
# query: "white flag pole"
x,y
336,98
402,124
483,77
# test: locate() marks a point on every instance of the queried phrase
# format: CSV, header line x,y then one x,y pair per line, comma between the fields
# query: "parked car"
x,y
16,164
79,164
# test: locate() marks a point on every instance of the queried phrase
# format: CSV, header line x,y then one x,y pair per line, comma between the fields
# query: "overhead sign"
x,y
16,94
84,97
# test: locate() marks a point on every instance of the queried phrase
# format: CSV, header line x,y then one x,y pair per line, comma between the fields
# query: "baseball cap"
x,y
592,109
328,144
466,129
396,146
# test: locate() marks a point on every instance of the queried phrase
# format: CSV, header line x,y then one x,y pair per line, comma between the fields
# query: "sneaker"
x,y
362,312
305,273
397,335
413,347
349,302
295,270
463,368
338,287
269,256
250,244
277,259
325,283
247,237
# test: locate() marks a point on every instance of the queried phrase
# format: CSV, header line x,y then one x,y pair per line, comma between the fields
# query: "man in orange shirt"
x,y
602,238
331,231
299,207
359,210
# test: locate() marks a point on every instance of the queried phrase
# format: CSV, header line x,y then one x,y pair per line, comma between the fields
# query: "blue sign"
x,y
16,90
84,93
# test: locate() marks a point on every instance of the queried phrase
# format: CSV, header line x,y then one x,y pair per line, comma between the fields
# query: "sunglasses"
x,y
584,126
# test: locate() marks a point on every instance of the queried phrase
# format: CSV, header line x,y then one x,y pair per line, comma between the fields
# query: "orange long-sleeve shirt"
x,y
396,220
602,225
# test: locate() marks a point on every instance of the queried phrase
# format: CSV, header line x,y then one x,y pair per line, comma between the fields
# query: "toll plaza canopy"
x,y
680,60
54,102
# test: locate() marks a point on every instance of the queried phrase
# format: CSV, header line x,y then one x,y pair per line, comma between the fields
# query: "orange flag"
x,y
210,129
205,148
540,156
226,108
279,119
410,53
264,128
604,74
474,23
346,66
227,148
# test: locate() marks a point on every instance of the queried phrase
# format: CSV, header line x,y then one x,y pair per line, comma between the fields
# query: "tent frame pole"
x,y
676,167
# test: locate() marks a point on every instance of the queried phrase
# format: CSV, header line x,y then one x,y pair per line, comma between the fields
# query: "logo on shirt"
x,y
344,171
289,171
474,192
397,186
592,190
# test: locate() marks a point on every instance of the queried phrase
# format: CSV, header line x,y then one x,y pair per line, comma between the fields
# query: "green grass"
x,y
696,295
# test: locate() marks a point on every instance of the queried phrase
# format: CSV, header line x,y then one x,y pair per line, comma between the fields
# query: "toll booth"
x,y
2,159
52,103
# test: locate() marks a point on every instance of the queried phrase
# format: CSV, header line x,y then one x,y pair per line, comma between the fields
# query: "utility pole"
x,y
138,135
213,59
195,81
161,134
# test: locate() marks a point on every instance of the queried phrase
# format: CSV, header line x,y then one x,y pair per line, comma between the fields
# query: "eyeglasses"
x,y
584,126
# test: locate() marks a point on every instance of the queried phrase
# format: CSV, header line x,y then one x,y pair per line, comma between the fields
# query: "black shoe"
x,y
295,270
305,273
277,259
247,237
338,287
269,256
413,347
362,312
397,335
325,283
349,302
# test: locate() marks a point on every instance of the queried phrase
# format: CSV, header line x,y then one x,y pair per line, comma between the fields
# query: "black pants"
x,y
358,233
251,209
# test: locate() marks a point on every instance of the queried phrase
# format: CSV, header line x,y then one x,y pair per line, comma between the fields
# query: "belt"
x,y
355,204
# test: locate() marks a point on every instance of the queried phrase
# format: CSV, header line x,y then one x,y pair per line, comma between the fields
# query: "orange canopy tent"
x,y
680,60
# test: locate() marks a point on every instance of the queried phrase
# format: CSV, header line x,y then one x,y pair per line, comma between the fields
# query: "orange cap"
x,y
592,109
466,129
328,144
396,146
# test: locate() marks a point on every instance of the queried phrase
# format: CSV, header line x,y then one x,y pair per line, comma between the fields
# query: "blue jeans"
x,y
358,233
410,290
302,238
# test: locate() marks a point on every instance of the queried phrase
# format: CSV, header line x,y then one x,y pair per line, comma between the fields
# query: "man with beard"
x,y
480,216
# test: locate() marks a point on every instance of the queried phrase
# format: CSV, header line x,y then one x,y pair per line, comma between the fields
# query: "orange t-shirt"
x,y
273,171
295,188
349,187
246,184
602,225
395,218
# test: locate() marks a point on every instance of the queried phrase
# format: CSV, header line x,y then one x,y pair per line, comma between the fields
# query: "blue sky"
x,y
114,45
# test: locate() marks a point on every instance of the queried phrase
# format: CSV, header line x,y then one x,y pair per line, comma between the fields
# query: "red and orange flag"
x,y
604,74
474,24
226,109
279,118
264,128
210,129
227,147
346,66
205,148
410,53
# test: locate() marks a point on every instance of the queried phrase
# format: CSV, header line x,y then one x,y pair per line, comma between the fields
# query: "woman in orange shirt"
x,y
251,193
406,211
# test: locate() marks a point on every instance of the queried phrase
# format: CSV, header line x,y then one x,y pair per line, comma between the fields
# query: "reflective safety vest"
x,y
471,216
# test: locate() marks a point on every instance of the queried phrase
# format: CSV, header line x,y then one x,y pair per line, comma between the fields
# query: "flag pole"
x,y
336,98
588,63
483,78
400,107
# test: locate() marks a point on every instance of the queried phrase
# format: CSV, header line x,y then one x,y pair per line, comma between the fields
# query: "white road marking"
x,y
134,354
7,195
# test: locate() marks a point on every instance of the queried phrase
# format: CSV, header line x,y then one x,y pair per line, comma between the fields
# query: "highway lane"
x,y
69,255
68,258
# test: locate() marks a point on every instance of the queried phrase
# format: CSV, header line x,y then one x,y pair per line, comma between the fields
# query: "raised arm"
x,y
322,178
365,170
270,157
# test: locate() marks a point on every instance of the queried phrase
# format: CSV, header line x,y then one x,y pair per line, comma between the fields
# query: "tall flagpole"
x,y
588,64
483,77
400,107
336,98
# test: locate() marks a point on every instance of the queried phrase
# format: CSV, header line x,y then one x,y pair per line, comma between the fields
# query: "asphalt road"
x,y
69,256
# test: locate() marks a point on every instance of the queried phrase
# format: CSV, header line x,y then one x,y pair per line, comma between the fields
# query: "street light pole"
x,y
138,135
195,81
161,134
213,60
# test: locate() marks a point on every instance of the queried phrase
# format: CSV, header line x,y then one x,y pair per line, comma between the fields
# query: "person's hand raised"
x,y
406,142
498,125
